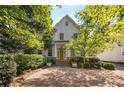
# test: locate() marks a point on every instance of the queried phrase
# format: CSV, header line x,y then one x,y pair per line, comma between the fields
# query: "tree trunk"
x,y
84,59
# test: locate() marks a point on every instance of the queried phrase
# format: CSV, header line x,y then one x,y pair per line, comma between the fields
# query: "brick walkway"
x,y
60,76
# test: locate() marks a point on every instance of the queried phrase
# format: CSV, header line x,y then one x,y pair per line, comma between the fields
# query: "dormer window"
x,y
66,23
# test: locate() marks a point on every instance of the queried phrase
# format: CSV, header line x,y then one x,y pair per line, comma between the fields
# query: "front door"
x,y
61,53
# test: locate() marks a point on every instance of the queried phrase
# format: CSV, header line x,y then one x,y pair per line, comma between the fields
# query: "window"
x,y
72,53
50,52
61,36
122,53
66,23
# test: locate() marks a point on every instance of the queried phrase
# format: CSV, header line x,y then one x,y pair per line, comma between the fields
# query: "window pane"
x,y
50,52
61,36
122,53
66,23
72,53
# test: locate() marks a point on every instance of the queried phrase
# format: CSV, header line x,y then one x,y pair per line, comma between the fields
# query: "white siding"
x,y
67,30
114,55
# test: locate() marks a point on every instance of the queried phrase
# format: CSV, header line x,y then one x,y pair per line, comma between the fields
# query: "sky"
x,y
57,13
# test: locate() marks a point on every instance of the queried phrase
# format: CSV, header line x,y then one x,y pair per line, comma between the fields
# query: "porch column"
x,y
67,53
55,51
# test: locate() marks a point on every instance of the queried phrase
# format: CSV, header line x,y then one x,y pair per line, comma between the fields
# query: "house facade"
x,y
114,55
65,30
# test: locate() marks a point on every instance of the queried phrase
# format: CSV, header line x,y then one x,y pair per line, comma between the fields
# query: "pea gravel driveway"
x,y
60,76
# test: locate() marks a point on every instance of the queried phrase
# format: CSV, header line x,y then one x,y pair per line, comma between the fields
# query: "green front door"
x,y
61,53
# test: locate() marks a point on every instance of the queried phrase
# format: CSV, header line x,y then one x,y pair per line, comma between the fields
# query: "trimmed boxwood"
x,y
98,65
109,66
7,69
92,65
12,64
7,72
86,65
90,59
6,58
28,62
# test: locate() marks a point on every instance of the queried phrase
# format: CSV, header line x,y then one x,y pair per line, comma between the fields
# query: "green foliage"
x,y
7,72
24,61
86,65
52,60
6,58
80,65
92,65
10,64
98,65
49,60
28,62
101,27
109,66
29,26
90,59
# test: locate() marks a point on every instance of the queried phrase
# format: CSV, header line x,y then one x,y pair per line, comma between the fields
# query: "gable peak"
x,y
67,16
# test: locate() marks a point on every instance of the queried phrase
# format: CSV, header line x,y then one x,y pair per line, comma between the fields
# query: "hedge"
x,y
7,73
98,65
86,65
7,69
28,62
108,66
91,59
12,64
49,60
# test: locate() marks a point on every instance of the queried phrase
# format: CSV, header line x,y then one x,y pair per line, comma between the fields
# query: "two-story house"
x,y
64,31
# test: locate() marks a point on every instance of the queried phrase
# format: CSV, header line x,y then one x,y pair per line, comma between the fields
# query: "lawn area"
x,y
59,76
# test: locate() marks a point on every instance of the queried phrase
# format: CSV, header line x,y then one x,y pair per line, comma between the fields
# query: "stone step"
x,y
62,63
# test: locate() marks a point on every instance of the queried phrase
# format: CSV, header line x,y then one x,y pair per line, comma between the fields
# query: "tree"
x,y
100,28
26,26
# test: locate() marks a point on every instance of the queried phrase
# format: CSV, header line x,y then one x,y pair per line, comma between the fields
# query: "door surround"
x,y
61,53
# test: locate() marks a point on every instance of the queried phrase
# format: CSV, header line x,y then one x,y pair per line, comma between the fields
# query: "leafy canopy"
x,y
101,27
26,25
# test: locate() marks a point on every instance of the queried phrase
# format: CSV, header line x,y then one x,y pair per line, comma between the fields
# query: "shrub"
x,y
28,61
86,65
6,58
80,64
7,72
87,59
109,66
24,61
12,63
52,60
102,63
49,60
72,60
98,65
92,65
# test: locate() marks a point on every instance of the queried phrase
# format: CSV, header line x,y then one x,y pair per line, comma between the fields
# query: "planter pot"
x,y
49,64
74,65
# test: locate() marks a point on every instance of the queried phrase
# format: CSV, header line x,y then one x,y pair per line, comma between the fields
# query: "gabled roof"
x,y
67,16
